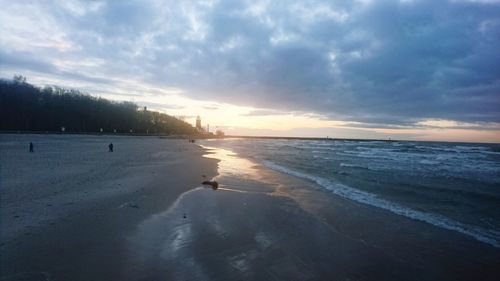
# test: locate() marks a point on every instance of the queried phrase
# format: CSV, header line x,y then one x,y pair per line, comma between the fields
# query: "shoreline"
x,y
414,246
264,225
369,199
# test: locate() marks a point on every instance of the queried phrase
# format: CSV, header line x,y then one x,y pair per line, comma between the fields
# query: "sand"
x,y
73,211
66,208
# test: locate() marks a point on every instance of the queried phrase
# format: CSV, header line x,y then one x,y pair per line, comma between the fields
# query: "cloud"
x,y
23,60
373,62
263,112
211,107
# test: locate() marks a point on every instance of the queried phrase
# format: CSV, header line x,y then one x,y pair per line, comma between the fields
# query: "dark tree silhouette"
x,y
24,107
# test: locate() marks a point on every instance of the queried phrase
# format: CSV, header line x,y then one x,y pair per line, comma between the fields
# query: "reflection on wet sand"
x,y
215,232
232,165
249,175
242,175
235,190
224,235
243,230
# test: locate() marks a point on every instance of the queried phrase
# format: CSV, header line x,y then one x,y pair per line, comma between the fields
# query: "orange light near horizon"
x,y
240,119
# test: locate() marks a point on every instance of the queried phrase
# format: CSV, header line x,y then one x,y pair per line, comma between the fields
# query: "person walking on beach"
x,y
31,147
110,147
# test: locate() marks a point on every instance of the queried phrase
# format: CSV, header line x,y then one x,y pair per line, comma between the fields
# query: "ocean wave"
x,y
480,234
347,165
458,149
428,162
489,152
473,148
426,148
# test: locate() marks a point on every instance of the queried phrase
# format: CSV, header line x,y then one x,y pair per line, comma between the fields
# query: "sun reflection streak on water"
x,y
232,165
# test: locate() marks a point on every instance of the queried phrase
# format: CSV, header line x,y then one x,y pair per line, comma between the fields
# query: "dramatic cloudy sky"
x,y
363,68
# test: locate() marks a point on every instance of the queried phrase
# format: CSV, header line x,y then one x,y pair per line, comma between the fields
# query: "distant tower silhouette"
x,y
198,123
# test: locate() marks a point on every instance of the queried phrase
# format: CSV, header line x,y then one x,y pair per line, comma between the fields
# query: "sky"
x,y
407,69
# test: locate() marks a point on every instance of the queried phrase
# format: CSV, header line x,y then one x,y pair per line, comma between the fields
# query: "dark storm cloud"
x,y
374,62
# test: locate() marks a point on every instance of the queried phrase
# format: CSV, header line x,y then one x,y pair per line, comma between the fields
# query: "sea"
x,y
455,186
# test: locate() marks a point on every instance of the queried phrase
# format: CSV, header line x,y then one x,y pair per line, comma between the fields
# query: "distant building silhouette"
x,y
203,131
198,123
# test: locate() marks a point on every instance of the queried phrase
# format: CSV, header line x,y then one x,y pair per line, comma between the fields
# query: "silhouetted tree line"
x,y
24,107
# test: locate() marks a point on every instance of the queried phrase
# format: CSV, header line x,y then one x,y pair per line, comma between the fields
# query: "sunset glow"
x,y
311,69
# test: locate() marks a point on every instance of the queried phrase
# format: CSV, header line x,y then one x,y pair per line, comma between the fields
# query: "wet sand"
x,y
159,224
262,225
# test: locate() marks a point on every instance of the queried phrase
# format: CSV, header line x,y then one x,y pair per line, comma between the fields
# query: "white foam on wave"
x,y
473,148
428,162
348,165
460,149
485,236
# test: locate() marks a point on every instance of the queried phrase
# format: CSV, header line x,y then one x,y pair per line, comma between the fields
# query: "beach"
x,y
74,211
67,207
